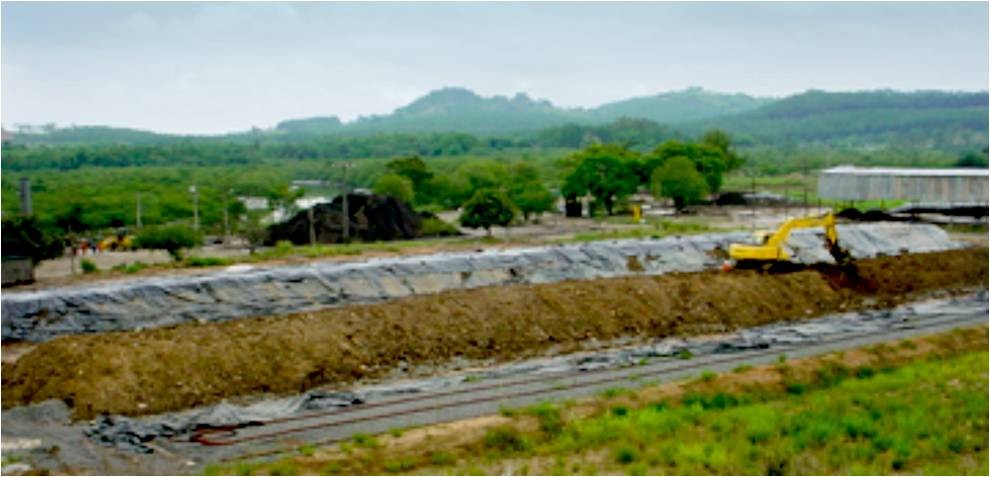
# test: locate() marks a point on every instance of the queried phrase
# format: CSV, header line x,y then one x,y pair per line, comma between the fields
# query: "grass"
x,y
654,228
196,262
924,412
920,418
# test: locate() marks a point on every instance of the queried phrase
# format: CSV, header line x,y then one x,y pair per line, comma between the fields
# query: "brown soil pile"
x,y
168,369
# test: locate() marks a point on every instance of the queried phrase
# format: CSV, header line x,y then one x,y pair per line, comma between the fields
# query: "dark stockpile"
x,y
372,218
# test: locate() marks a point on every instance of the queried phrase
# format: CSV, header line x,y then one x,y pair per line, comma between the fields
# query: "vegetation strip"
x,y
914,406
169,369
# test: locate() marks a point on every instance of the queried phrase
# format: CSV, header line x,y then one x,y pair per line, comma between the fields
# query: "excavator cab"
x,y
771,247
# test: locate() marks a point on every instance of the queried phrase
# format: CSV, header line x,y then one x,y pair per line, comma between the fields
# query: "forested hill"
x,y
51,135
445,110
680,106
461,110
950,121
923,119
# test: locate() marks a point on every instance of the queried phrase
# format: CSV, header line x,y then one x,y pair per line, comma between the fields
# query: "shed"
x,y
937,186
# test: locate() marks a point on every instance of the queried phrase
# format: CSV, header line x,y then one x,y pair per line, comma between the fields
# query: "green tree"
x,y
253,230
412,168
26,237
71,221
532,198
709,160
679,180
396,186
171,238
446,191
484,174
723,142
607,172
527,192
972,159
488,207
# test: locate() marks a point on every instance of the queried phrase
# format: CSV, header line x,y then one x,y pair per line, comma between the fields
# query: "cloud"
x,y
217,67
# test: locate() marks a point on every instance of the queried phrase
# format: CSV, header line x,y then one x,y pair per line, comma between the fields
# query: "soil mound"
x,y
168,369
372,218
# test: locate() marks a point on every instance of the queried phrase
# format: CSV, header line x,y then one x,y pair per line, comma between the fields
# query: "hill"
x,y
933,120
864,119
680,106
86,135
462,110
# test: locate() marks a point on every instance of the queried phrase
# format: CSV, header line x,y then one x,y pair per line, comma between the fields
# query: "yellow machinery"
x,y
772,247
117,243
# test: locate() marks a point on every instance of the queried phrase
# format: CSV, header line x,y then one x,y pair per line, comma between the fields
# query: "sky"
x,y
203,68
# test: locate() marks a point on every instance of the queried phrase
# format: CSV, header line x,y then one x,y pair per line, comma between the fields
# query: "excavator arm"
x,y
772,248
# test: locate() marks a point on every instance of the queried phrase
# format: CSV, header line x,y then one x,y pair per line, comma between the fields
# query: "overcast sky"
x,y
220,67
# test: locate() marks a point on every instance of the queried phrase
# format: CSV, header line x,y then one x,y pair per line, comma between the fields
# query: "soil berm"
x,y
168,369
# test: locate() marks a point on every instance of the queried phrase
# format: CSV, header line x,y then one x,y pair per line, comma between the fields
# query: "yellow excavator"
x,y
771,249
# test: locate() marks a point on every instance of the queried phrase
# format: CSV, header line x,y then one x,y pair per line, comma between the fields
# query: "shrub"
x,y
434,227
626,455
551,421
88,266
488,207
172,238
505,439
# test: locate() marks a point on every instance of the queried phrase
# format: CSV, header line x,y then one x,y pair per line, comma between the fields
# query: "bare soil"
x,y
169,369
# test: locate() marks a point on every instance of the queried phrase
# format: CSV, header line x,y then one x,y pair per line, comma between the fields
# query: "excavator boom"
x,y
772,249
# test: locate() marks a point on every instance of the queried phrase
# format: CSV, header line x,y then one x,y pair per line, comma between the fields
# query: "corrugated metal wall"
x,y
936,189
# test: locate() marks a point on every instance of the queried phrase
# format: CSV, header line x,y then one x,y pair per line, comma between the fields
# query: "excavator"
x,y
770,252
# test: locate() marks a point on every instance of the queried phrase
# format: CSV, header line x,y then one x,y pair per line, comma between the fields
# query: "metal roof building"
x,y
954,186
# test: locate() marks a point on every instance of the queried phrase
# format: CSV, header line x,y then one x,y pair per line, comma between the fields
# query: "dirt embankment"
x,y
169,369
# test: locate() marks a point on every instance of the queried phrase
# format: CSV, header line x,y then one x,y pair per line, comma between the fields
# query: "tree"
x,y
71,221
532,198
486,208
709,160
24,236
396,186
606,172
252,230
972,159
678,179
172,238
723,142
412,168
446,191
527,192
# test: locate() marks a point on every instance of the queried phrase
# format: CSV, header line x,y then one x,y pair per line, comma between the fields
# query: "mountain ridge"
x,y
854,118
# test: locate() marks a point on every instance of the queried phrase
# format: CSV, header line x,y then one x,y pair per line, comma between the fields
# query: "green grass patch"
x,y
196,262
923,417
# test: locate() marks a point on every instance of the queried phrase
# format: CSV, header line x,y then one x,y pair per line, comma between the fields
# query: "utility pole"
x,y
137,211
195,194
26,208
226,218
346,220
312,226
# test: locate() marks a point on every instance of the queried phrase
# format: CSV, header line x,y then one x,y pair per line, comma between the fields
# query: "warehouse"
x,y
934,186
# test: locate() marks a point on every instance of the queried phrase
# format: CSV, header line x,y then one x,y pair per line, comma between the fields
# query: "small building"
x,y
935,186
